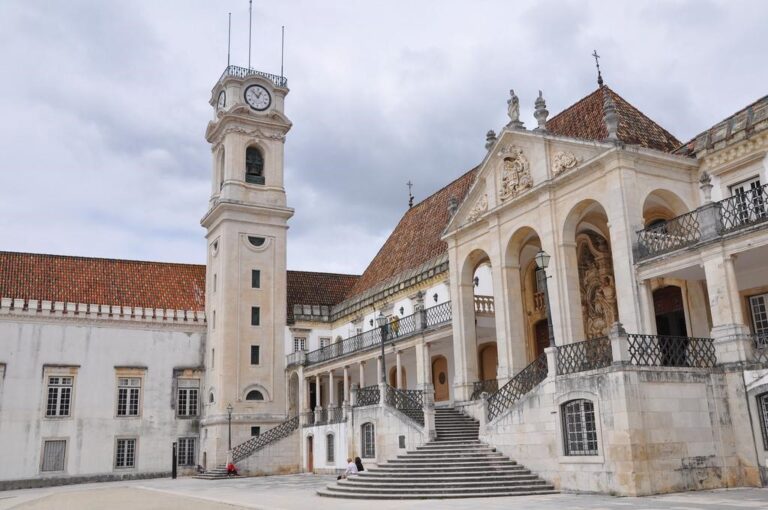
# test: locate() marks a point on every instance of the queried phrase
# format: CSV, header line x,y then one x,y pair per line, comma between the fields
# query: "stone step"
x,y
365,493
397,478
488,463
431,485
441,457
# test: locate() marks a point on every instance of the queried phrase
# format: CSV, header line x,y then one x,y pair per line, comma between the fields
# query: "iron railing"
x,y
671,351
669,235
245,72
744,209
582,356
367,396
402,401
415,395
523,382
308,418
395,330
272,435
438,314
336,415
480,387
760,348
321,416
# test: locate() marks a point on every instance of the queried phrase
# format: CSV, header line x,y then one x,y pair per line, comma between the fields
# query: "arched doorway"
x,y
440,378
393,378
310,454
489,361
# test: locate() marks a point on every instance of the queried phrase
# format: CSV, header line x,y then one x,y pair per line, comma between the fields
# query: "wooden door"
x,y
542,337
440,378
310,455
489,359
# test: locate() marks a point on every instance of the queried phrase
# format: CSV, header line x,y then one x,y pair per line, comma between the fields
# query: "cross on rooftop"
x,y
597,63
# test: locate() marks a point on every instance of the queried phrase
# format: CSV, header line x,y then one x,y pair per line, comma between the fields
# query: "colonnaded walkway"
x,y
297,492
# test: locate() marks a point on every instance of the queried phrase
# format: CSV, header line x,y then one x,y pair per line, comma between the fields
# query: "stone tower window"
x,y
254,166
254,395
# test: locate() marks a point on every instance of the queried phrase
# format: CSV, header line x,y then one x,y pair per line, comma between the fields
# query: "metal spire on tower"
x,y
597,63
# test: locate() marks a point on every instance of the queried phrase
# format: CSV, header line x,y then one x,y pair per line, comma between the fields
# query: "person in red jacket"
x,y
231,470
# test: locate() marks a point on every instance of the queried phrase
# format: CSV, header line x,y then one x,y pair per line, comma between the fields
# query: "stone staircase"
x,y
455,465
217,473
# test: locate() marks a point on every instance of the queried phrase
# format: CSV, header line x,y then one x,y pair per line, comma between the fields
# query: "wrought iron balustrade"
x,y
582,356
321,416
394,330
760,348
669,235
484,305
744,209
523,382
308,418
336,415
368,396
671,351
480,387
272,435
245,72
438,314
415,395
402,401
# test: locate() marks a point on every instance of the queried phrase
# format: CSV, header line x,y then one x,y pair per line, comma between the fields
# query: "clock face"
x,y
257,97
222,102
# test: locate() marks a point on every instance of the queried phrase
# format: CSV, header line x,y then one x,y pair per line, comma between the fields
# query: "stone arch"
x,y
260,389
662,204
255,163
220,162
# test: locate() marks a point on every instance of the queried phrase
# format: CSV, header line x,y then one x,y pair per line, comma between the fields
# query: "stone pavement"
x,y
297,492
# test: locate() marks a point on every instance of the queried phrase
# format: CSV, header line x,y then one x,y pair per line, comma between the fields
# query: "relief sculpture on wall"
x,y
596,283
515,172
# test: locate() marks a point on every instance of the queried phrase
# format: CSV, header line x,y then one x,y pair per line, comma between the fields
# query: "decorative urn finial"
x,y
490,139
705,185
540,112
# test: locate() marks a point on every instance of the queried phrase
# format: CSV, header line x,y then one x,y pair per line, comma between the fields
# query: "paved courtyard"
x,y
297,492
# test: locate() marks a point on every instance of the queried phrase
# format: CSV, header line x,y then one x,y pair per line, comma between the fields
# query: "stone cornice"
x,y
741,150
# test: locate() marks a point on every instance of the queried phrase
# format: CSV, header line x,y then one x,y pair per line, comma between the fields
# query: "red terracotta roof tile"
x,y
584,119
309,288
416,239
102,281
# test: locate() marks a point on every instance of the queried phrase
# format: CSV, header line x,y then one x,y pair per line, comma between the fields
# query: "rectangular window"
x,y
54,454
299,344
255,316
579,428
369,441
128,396
187,397
254,355
214,282
758,305
325,342
329,449
185,451
255,279
255,431
59,396
762,411
750,201
125,453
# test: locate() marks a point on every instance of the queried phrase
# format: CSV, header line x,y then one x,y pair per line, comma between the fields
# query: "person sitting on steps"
x,y
351,469
231,470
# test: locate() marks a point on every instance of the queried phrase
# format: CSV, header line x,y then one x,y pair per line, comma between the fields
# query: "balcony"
x,y
245,72
711,221
394,331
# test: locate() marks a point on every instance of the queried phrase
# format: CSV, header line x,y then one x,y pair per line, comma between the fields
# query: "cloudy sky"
x,y
104,104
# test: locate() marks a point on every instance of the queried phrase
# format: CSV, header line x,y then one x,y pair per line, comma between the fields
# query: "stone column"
x,y
518,358
398,371
732,337
646,306
501,295
619,344
331,393
361,371
464,332
551,353
318,401
346,384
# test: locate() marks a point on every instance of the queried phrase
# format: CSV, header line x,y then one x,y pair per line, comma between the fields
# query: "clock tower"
x,y
246,226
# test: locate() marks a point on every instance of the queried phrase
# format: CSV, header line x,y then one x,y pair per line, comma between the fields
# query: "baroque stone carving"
x,y
563,161
597,284
513,110
479,208
515,172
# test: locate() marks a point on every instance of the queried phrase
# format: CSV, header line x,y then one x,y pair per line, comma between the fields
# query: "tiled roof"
x,y
309,288
584,119
102,281
416,239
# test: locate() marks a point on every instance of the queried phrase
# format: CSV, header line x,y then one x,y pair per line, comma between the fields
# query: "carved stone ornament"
x,y
479,208
563,161
515,172
597,284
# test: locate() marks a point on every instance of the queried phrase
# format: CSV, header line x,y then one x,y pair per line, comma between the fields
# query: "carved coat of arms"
x,y
479,208
563,161
515,172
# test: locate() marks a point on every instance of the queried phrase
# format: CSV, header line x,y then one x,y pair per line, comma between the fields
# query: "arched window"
x,y
368,438
254,395
579,427
220,169
330,456
762,411
210,397
254,166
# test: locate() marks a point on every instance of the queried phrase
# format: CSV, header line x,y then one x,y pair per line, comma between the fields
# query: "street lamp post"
x,y
229,425
382,322
542,262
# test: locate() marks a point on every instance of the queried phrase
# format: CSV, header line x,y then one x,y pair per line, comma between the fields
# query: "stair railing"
x,y
525,380
272,435
408,402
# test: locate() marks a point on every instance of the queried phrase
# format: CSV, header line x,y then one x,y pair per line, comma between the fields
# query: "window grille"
x,y
579,428
59,396
185,451
54,453
369,441
125,453
762,411
299,344
329,449
759,307
186,404
128,394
